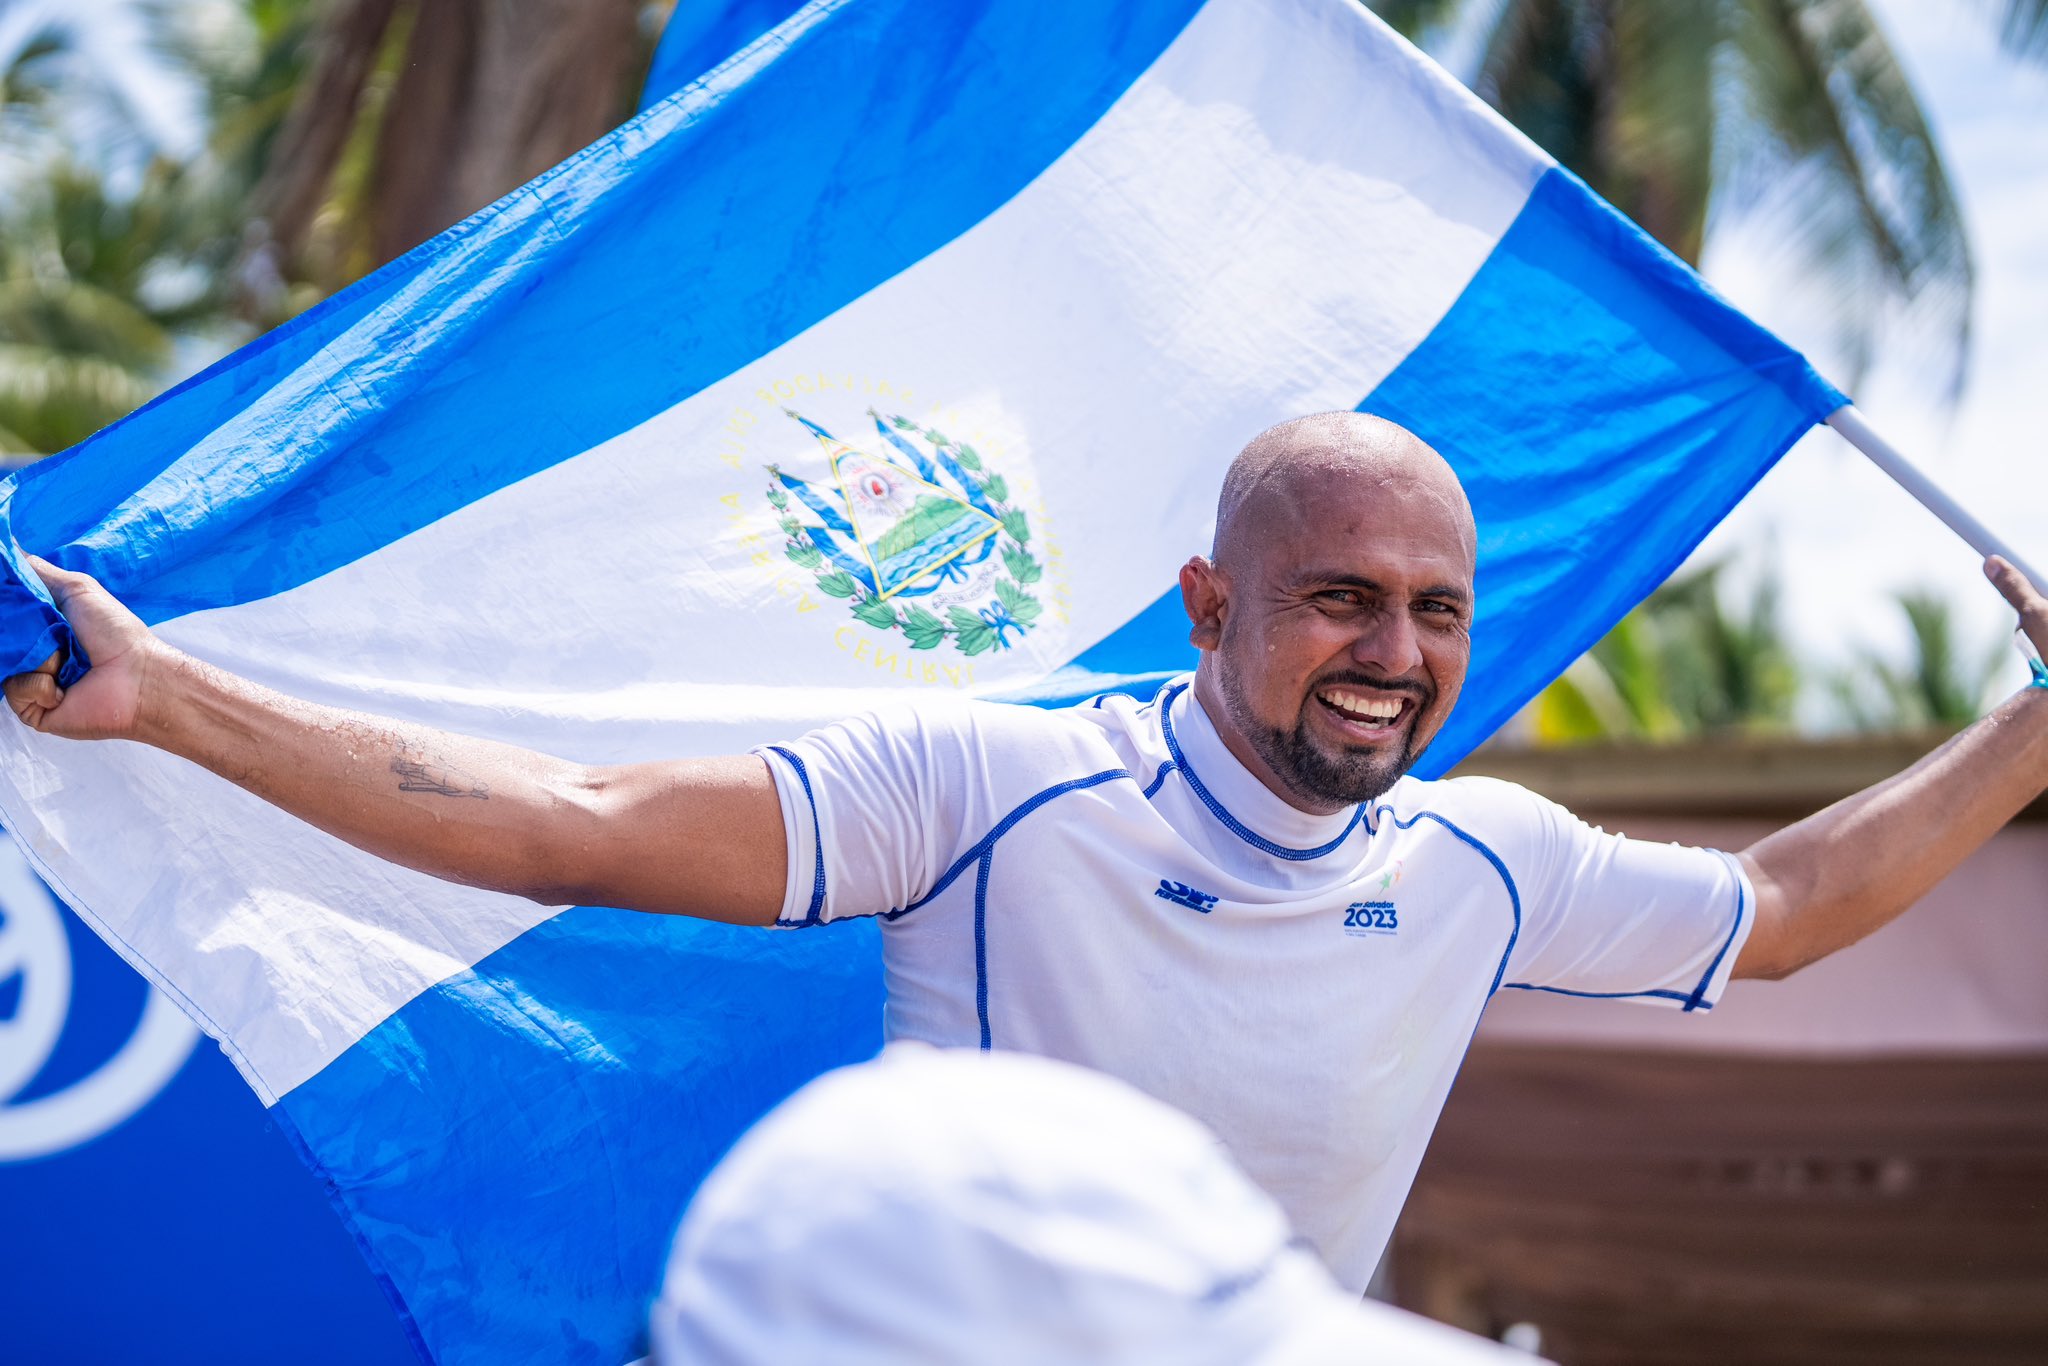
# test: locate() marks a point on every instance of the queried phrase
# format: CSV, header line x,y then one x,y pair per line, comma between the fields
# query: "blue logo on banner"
x,y
35,1003
152,1215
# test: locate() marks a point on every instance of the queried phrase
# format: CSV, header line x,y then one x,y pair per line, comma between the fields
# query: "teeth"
x,y
1362,706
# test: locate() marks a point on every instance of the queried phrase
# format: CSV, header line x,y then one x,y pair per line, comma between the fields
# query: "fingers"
x,y
2024,597
2013,586
32,696
62,583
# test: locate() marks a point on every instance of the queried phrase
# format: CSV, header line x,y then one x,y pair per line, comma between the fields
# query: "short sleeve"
x,y
876,808
1607,916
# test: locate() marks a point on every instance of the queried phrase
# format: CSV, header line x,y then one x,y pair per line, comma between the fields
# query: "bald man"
x,y
1229,895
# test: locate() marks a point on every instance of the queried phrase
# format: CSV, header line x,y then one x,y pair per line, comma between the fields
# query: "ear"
x,y
1205,592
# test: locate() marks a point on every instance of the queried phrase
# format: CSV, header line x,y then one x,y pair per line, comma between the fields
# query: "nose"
x,y
1389,645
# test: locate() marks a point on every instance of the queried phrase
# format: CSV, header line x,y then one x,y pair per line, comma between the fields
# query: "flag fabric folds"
x,y
899,355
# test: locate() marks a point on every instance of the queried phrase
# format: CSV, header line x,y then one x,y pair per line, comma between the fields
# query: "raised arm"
x,y
698,837
1831,879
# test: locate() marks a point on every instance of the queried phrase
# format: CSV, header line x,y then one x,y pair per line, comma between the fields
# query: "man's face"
x,y
1344,633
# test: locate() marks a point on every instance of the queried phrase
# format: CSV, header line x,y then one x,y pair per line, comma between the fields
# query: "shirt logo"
x,y
1369,917
1183,895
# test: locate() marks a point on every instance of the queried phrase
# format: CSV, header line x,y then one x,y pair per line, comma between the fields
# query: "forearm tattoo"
x,y
416,773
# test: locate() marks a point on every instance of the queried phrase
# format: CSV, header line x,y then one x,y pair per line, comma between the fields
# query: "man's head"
x,y
1334,612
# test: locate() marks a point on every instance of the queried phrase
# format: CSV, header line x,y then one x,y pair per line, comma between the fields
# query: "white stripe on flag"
x,y
1215,254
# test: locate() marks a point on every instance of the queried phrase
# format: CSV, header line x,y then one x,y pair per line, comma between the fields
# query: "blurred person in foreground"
x,y
1231,895
950,1206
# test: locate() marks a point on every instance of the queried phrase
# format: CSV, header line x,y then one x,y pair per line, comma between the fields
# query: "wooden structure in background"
x,y
1662,1209
1654,1192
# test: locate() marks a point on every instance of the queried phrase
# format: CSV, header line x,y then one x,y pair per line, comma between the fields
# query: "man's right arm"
x,y
701,837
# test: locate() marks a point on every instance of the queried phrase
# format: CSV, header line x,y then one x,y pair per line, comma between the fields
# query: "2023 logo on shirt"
x,y
1371,917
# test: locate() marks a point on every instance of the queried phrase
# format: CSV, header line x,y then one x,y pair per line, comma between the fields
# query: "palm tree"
x,y
359,126
100,81
2023,28
95,291
1942,682
1678,111
96,282
1679,665
412,114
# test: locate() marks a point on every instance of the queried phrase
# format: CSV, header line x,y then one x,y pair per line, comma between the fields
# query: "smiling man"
x,y
1229,895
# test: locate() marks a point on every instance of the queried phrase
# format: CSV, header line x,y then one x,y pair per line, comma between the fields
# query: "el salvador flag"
x,y
899,355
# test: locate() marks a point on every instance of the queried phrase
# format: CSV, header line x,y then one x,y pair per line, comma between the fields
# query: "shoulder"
x,y
944,737
1506,817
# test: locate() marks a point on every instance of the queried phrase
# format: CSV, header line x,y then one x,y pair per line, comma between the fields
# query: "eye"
x,y
1446,613
1349,597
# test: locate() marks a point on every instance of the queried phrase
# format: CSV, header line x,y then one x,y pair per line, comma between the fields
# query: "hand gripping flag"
x,y
900,355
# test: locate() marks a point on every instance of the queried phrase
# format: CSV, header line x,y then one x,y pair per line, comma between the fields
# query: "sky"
x,y
1844,537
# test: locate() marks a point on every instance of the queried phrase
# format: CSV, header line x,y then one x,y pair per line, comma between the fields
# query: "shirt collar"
x,y
1235,796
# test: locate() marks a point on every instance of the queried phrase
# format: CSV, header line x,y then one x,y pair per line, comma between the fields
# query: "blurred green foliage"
x,y
1679,665
1683,113
1943,681
1683,665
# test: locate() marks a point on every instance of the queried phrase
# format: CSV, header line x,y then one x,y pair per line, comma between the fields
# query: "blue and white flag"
x,y
901,355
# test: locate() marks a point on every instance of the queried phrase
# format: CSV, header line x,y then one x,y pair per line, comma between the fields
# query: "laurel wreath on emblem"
x,y
963,515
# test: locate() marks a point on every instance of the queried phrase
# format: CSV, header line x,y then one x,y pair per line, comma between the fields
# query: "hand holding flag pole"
x,y
2025,595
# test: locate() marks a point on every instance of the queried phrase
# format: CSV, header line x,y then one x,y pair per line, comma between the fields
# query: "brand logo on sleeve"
x,y
1181,894
1371,917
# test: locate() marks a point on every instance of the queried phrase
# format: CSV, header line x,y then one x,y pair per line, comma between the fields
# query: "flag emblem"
x,y
914,531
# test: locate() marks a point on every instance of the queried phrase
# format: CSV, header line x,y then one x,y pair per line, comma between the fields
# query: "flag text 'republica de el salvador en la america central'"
x,y
900,355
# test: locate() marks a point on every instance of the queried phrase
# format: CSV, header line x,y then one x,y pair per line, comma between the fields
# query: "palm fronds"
x,y
2023,29
1682,664
1684,113
1940,682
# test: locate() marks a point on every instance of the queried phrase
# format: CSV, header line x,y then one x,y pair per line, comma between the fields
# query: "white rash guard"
x,y
1109,886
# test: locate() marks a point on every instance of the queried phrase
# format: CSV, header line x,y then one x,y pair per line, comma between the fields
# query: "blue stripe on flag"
x,y
480,358
698,37
627,1052
1594,466
1604,410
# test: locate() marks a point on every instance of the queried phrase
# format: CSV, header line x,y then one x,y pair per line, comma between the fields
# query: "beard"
x,y
1316,772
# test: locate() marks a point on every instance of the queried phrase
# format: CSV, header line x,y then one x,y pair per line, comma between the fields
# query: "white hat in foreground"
x,y
958,1207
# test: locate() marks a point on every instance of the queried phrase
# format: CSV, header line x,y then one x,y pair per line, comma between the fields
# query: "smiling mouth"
x,y
1372,712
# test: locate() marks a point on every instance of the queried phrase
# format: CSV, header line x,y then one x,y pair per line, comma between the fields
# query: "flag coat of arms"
x,y
900,354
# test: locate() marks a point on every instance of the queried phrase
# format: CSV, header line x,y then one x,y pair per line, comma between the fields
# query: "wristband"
x,y
2033,658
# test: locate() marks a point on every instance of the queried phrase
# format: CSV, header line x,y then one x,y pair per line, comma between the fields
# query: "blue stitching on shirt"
x,y
1598,995
1002,827
1159,780
1514,896
988,859
1216,809
817,834
1695,1002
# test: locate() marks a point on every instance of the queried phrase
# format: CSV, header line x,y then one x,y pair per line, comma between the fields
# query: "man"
x,y
1229,896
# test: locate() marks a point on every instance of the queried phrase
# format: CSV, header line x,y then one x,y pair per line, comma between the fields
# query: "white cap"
x,y
950,1206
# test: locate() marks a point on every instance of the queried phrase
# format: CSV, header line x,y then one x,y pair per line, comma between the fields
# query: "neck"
x,y
1209,692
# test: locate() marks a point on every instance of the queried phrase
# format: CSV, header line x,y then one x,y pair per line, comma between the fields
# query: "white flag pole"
x,y
1857,432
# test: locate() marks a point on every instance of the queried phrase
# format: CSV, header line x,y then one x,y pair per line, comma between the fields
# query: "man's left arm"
x,y
1831,879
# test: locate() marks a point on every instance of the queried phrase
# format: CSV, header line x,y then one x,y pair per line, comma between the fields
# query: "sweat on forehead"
x,y
1281,466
